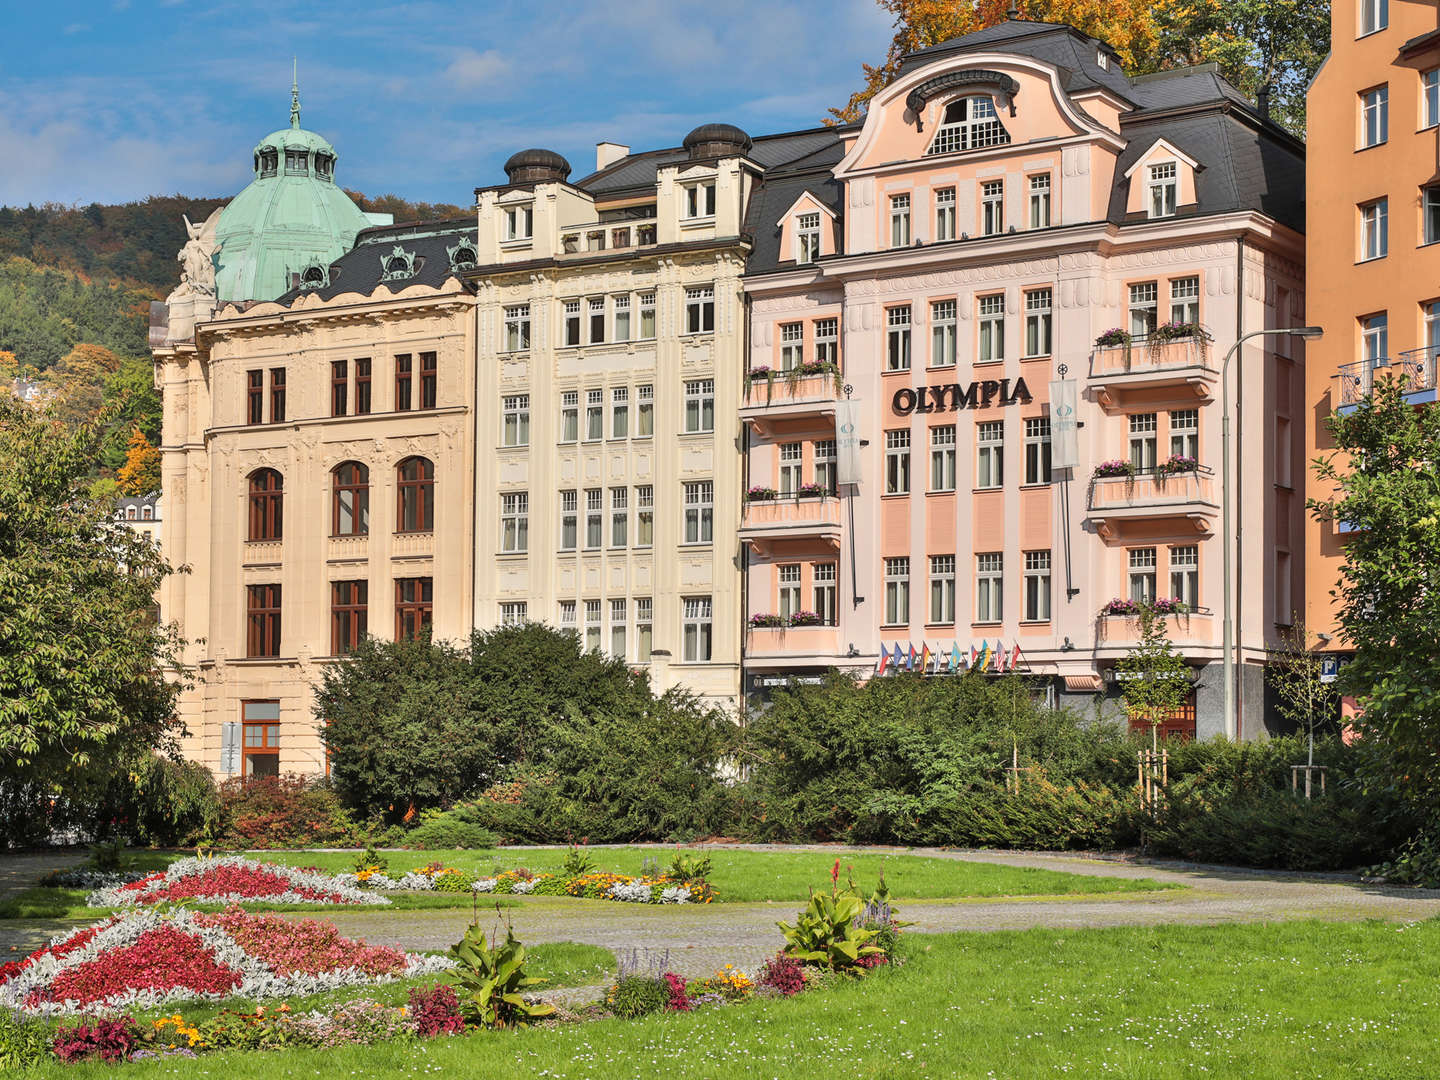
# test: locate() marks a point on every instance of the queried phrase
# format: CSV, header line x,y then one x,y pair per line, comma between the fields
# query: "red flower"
x,y
835,873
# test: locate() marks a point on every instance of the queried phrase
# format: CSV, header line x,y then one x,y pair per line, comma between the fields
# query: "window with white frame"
x,y
594,415
592,625
647,316
515,420
897,323
992,207
1430,212
942,458
597,320
1432,324
990,454
789,574
620,412
1374,16
1185,300
1185,574
824,578
791,459
571,322
900,220
1430,98
807,237
699,512
827,341
1037,586
942,333
1185,433
514,522
1375,116
567,614
824,464
1144,308
700,200
644,515
989,587
942,590
617,629
512,613
969,123
897,591
792,345
700,310
644,628
517,328
897,462
619,517
1040,201
1037,322
1164,189
569,520
620,308
519,222
992,328
1375,337
569,416
1037,450
1142,575
1143,441
1375,230
699,406
594,518
696,613
945,213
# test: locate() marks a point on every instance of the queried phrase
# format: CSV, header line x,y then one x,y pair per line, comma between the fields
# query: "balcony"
x,y
790,395
598,236
793,643
1117,501
1415,366
1196,627
1186,364
765,521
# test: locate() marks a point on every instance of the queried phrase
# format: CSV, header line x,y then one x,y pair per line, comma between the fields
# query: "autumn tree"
x,y
140,475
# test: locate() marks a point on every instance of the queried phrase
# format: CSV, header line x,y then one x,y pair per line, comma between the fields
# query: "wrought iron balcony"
x,y
1416,367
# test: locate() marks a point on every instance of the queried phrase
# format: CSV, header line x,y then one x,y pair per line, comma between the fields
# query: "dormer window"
x,y
807,237
315,276
700,200
399,264
1164,189
463,256
1102,60
970,123
324,166
519,222
296,163
269,161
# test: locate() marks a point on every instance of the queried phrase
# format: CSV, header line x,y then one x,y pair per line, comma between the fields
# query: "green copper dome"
x,y
290,216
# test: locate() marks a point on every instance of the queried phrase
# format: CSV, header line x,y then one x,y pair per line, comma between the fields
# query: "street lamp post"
x,y
1228,625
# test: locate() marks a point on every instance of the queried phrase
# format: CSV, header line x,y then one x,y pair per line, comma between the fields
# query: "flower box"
x,y
761,494
806,618
811,491
768,621
1113,336
1121,606
1169,605
1117,467
1178,463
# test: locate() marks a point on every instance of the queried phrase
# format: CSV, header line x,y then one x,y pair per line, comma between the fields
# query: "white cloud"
x,y
471,70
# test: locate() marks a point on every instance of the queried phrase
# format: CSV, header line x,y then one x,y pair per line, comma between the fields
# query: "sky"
x,y
113,100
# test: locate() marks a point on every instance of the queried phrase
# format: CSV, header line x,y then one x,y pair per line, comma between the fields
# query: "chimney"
x,y
607,153
1262,101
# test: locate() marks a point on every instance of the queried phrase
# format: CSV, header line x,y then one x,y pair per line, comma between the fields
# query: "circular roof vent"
x,y
533,166
716,141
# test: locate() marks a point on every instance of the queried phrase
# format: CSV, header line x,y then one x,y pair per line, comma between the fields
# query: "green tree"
x,y
87,682
1302,697
1154,678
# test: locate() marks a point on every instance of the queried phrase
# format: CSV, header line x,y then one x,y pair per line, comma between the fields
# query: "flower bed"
x,y
234,879
150,958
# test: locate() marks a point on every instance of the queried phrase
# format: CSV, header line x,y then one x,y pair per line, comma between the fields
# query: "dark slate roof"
x,y
768,151
1186,87
359,269
779,192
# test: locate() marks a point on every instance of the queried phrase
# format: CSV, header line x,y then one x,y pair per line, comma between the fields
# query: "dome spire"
x,y
294,93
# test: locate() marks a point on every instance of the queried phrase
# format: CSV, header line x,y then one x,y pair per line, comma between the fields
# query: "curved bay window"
x,y
417,495
267,504
350,505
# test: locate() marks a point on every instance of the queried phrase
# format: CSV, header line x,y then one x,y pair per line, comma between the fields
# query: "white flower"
x,y
182,868
675,894
523,887
484,884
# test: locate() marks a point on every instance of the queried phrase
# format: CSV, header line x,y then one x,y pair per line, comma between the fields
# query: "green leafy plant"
x,y
828,932
23,1043
577,863
687,868
491,981
638,995
370,859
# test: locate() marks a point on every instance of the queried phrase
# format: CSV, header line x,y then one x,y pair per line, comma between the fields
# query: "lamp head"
x,y
1310,333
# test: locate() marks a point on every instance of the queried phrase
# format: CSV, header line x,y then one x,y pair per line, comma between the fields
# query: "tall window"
x,y
1164,189
789,574
644,628
1142,575
569,520
517,328
277,393
792,345
416,495
403,373
515,420
697,633
1430,201
1143,441
700,310
620,412
827,341
619,516
992,328
807,237
1185,300
350,500
969,123
621,312
260,723
647,316
700,200
1375,116
897,462
942,333
255,396
1430,98
513,613
569,416
594,518
897,591
825,580
1375,337
942,458
699,512
900,220
592,625
617,629
414,607
645,412
824,464
1144,308
989,587
699,406
348,616
1037,322
791,459
1040,201
1432,324
945,213
567,614
1037,450
1037,586
1185,574
897,321
992,207
1375,229
519,222
429,380
644,515
594,415
514,522
597,320
267,505
942,590
339,383
570,322
990,454
1374,15
262,620
1185,432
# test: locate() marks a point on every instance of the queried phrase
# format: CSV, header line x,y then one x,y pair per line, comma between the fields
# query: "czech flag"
x,y
910,663
883,662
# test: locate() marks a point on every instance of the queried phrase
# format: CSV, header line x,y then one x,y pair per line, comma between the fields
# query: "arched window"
x,y
970,123
417,495
267,503
350,513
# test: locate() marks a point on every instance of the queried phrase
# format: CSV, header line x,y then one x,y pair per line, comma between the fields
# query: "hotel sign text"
x,y
978,395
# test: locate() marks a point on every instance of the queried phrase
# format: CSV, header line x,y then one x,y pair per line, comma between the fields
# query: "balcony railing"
x,y
1154,494
1153,357
1417,367
607,236
789,517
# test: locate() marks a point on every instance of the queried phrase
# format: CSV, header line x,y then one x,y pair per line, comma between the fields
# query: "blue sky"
x,y
111,100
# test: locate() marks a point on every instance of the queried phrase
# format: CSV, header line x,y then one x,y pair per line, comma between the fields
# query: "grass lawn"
x,y
1256,1001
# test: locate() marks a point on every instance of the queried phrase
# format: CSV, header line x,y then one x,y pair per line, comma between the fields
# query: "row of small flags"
x,y
984,657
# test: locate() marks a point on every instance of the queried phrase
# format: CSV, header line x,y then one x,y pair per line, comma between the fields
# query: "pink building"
x,y
950,266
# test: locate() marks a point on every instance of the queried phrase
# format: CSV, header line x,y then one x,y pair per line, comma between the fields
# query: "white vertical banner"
x,y
1064,444
847,441
229,748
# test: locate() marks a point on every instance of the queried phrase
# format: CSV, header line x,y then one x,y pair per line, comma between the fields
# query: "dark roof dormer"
x,y
716,141
536,166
